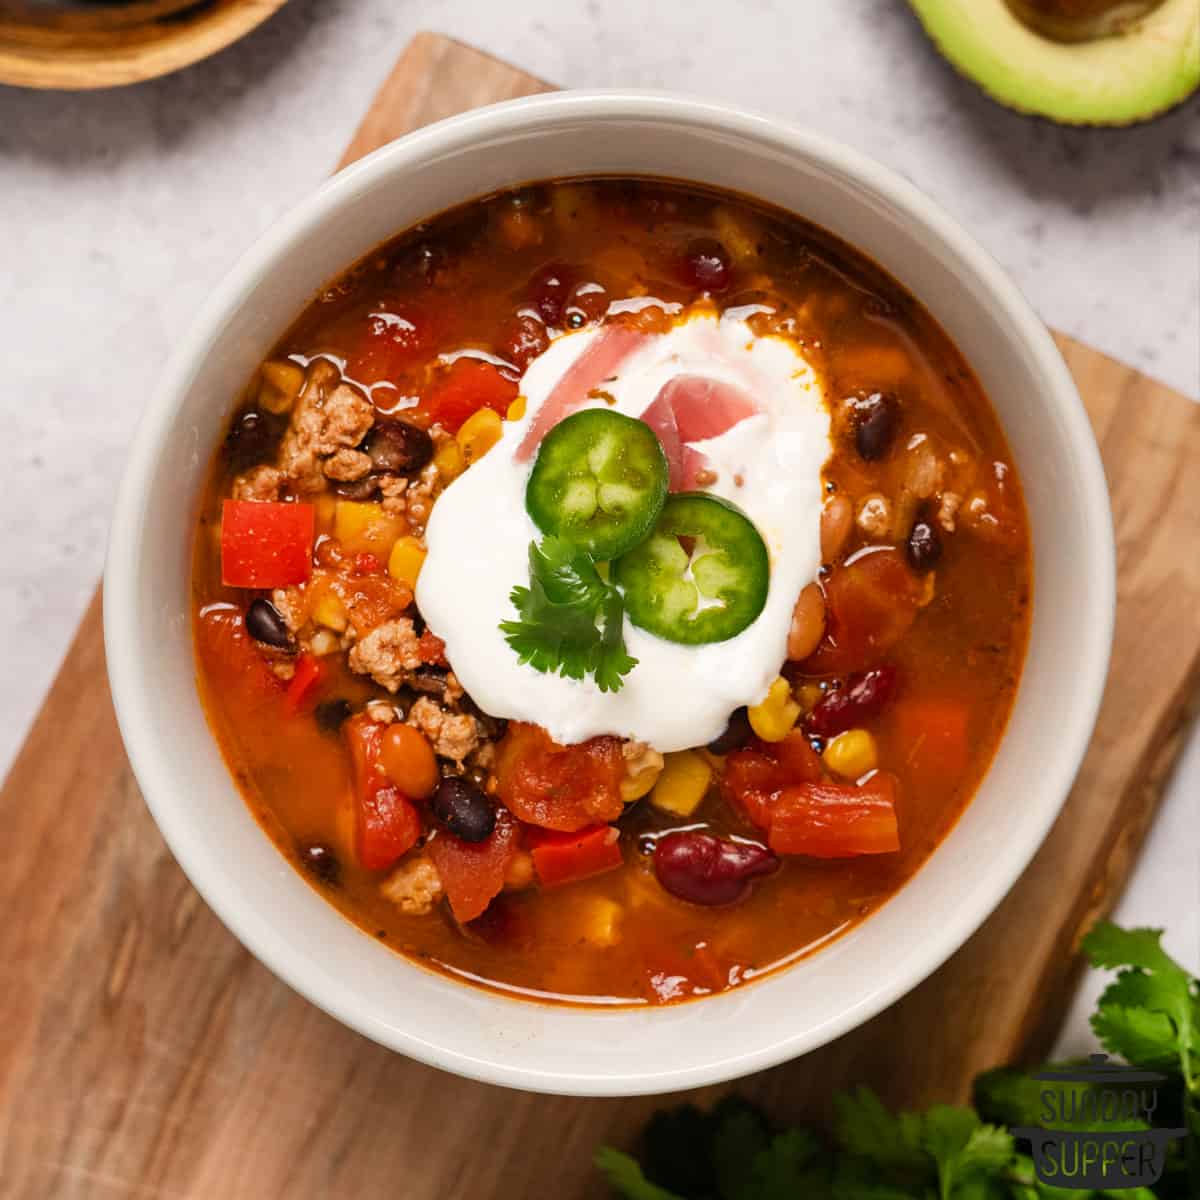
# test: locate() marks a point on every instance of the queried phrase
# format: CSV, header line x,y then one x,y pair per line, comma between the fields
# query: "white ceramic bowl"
x,y
619,1051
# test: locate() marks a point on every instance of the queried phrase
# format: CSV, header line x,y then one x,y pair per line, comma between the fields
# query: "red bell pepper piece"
x,y
472,873
265,544
387,823
560,858
303,684
468,385
836,820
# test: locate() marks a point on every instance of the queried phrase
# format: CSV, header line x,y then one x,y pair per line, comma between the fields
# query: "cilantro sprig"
x,y
1149,1015
570,619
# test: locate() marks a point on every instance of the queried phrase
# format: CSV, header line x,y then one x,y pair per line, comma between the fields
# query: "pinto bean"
x,y
808,623
837,520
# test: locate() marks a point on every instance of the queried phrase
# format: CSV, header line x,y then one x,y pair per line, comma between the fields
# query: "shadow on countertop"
x,y
1084,169
78,129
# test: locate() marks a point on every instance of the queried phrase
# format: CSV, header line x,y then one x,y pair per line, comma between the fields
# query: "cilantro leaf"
x,y
625,1176
570,621
1150,1013
866,1128
962,1147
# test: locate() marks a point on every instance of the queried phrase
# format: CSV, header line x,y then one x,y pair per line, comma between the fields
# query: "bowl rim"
x,y
125,653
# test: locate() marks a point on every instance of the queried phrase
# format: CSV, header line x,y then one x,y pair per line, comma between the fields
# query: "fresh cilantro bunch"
x,y
1149,1016
571,620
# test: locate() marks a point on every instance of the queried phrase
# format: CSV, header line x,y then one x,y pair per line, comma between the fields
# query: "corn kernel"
x,y
449,461
406,560
601,924
519,872
280,385
851,754
479,433
516,410
809,695
330,612
682,784
324,642
772,719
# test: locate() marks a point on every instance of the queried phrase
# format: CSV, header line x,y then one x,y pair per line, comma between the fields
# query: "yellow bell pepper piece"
x,y
364,528
406,560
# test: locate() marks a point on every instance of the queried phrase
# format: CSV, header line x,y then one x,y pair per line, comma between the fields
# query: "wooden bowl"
x,y
77,47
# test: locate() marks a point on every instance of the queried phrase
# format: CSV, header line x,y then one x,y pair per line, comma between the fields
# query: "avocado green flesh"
x,y
1151,66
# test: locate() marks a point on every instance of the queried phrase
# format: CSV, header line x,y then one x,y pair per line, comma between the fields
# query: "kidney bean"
x,y
737,733
877,420
264,624
706,265
548,292
398,447
589,302
524,340
463,809
703,869
862,696
924,546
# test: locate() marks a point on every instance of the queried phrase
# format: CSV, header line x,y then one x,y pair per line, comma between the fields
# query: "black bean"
x,y
430,681
264,624
737,733
924,546
253,438
361,489
463,809
397,447
330,714
321,861
875,430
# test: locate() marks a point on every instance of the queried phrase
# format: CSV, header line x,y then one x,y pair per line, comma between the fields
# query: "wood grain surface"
x,y
85,48
144,1054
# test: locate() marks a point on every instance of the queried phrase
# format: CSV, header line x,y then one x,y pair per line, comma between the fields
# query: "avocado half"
x,y
1131,74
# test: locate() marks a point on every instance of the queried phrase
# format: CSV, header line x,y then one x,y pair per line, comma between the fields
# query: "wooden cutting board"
x,y
144,1053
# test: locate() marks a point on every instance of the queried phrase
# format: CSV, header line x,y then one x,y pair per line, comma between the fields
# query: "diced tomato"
x,y
231,659
373,599
871,602
468,385
472,873
265,544
609,348
753,777
564,857
395,338
559,787
302,687
932,737
836,820
691,408
387,823
431,649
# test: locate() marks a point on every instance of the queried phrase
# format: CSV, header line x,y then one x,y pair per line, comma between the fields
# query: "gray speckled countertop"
x,y
120,210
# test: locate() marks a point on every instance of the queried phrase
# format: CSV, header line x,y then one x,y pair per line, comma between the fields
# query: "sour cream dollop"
x,y
768,463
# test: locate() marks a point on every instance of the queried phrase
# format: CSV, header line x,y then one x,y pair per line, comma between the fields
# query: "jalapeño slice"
x,y
599,482
702,574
